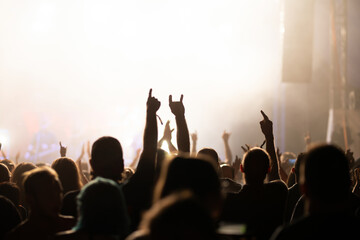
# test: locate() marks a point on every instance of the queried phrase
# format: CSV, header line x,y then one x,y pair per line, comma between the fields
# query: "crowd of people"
x,y
184,193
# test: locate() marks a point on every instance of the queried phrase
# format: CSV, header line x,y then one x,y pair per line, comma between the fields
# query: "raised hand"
x,y
245,149
350,156
62,150
226,136
152,103
177,108
88,149
168,131
194,136
266,125
236,165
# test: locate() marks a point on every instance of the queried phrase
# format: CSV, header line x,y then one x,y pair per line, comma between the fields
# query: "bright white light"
x,y
88,65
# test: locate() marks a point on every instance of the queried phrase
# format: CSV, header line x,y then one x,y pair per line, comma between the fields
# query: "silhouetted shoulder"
x,y
327,226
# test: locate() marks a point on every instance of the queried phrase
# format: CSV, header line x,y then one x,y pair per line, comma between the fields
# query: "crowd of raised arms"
x,y
183,194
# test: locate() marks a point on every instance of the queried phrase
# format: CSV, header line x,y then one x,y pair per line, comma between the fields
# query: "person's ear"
x,y
91,163
304,189
293,170
268,170
242,168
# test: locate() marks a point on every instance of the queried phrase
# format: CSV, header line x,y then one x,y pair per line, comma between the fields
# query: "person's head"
x,y
11,191
255,165
107,158
287,161
4,173
324,174
209,153
10,164
227,171
101,208
178,216
17,175
196,175
43,192
68,173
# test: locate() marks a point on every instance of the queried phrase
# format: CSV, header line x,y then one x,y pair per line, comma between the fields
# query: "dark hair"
x,y
179,214
107,158
68,173
101,207
300,158
9,217
4,173
197,175
325,172
211,154
34,179
10,164
11,191
256,163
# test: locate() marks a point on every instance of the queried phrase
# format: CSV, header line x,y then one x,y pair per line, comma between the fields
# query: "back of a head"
x,y
17,175
43,191
256,163
10,164
325,173
178,216
68,173
196,175
11,191
107,158
102,210
209,153
4,173
227,171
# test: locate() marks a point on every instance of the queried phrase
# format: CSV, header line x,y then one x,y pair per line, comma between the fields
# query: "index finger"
x,y
170,98
181,98
264,115
150,92
60,144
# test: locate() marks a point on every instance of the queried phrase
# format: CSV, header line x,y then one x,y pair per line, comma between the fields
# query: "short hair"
x,y
34,179
227,168
210,153
256,163
68,173
107,158
102,208
325,171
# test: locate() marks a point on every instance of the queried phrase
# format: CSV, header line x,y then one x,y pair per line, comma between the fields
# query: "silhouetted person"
x,y
43,194
259,205
12,192
102,212
294,193
9,216
179,216
10,164
4,173
325,182
68,173
107,162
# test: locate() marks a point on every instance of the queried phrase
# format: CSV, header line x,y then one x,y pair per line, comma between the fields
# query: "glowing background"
x,y
85,68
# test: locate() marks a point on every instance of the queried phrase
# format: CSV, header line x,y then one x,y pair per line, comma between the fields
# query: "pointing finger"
x,y
264,115
170,98
181,98
150,92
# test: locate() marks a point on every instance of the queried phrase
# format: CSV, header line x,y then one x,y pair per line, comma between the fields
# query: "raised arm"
x,y
267,129
167,138
63,150
194,138
183,139
228,154
148,155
